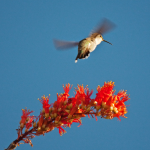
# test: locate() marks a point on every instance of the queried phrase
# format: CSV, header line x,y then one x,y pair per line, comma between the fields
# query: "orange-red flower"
x,y
29,123
45,101
104,92
65,111
24,117
61,131
41,120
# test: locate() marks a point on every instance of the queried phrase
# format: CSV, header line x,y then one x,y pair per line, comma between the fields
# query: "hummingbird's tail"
x,y
76,60
82,56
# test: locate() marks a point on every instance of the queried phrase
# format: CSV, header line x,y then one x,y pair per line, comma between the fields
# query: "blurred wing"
x,y
105,26
64,44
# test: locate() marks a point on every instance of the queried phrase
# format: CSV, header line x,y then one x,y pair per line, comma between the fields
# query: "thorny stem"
x,y
15,143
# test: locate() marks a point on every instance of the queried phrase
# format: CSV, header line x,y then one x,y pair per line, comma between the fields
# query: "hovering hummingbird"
x,y
89,44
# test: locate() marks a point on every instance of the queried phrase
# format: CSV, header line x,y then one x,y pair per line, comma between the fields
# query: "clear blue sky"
x,y
30,67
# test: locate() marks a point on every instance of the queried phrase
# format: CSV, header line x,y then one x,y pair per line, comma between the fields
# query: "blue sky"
x,y
31,67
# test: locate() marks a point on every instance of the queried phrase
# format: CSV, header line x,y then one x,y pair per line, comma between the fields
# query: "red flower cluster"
x,y
64,111
25,118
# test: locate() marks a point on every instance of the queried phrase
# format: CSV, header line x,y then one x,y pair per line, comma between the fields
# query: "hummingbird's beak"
x,y
106,41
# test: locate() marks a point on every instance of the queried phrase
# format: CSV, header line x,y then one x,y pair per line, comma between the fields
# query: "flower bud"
x,y
65,102
115,110
46,115
98,113
59,109
83,106
34,124
88,109
70,106
57,119
76,117
103,104
69,116
50,110
39,129
21,125
95,102
68,111
52,115
47,129
108,117
98,107
71,120
111,108
55,115
43,126
26,130
27,119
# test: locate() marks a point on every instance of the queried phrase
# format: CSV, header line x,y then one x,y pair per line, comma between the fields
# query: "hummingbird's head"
x,y
101,39
98,38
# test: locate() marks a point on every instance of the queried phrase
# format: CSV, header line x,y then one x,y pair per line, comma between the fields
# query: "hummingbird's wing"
x,y
105,26
64,44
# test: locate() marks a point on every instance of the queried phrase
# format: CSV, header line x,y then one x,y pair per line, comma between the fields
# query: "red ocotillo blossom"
x,y
67,110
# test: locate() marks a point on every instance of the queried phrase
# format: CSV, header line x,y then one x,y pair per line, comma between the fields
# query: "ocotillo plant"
x,y
65,111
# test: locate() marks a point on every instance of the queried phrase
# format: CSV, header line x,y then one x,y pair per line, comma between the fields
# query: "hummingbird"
x,y
89,44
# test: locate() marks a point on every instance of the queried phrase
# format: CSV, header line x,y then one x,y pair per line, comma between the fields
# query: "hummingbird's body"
x,y
89,44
